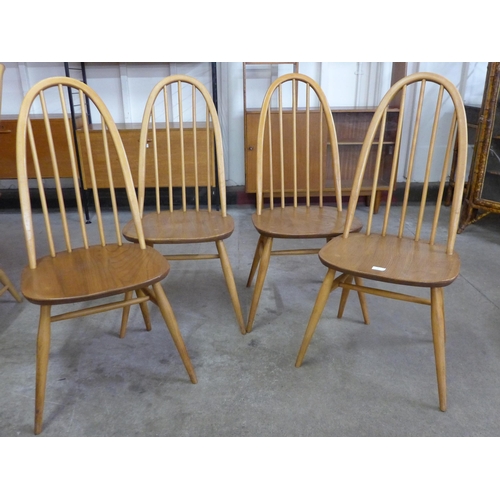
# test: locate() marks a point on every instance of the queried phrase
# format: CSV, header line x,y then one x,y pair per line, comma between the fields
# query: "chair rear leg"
x,y
344,296
256,260
319,306
144,310
125,315
438,335
261,276
362,301
42,363
169,317
361,296
231,285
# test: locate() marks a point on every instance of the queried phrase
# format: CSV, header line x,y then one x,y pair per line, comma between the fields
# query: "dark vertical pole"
x,y
83,191
216,192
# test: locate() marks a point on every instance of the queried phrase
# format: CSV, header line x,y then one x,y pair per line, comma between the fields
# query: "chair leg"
x,y
4,279
362,301
361,296
319,306
42,363
173,327
125,315
344,296
144,310
231,285
261,276
256,260
438,335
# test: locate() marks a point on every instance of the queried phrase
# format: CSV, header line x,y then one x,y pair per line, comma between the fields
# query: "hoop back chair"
x,y
390,251
4,279
80,261
181,155
295,128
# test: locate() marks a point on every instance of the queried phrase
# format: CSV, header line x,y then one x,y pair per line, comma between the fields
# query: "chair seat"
x,y
302,222
91,274
182,227
391,259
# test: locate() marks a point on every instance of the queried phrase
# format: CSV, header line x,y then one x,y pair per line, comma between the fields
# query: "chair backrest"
x,y
181,145
295,131
48,100
433,125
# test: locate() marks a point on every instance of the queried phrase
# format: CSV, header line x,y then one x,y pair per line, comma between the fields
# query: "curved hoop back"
x,y
181,144
67,160
295,131
432,123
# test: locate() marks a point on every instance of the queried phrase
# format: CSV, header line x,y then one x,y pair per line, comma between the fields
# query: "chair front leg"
x,y
256,260
231,285
42,363
319,306
261,276
438,335
173,327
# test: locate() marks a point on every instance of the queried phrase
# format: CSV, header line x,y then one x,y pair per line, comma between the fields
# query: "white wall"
x,y
124,87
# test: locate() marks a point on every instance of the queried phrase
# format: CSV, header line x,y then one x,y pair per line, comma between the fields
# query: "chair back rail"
x,y
430,94
49,98
282,159
181,130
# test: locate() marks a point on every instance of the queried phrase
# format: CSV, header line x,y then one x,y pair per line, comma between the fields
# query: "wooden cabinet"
x,y
130,134
8,169
351,124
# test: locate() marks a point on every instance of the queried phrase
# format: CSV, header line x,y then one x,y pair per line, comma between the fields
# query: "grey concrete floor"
x,y
356,380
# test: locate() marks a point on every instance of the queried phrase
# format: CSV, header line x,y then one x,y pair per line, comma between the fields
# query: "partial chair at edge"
x,y
92,263
427,258
295,130
181,147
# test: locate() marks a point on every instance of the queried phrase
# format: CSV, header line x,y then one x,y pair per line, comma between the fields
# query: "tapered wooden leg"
x,y
8,286
319,306
42,363
168,316
361,296
125,315
362,301
144,310
344,296
256,260
438,335
259,284
231,285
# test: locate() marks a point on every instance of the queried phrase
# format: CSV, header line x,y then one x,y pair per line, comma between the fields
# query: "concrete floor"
x,y
356,380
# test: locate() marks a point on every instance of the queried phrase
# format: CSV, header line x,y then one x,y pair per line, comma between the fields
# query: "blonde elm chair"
x,y
295,128
73,262
180,154
394,250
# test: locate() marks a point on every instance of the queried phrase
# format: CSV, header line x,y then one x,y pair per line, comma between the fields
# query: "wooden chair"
x,y
295,128
181,150
93,262
4,279
389,252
